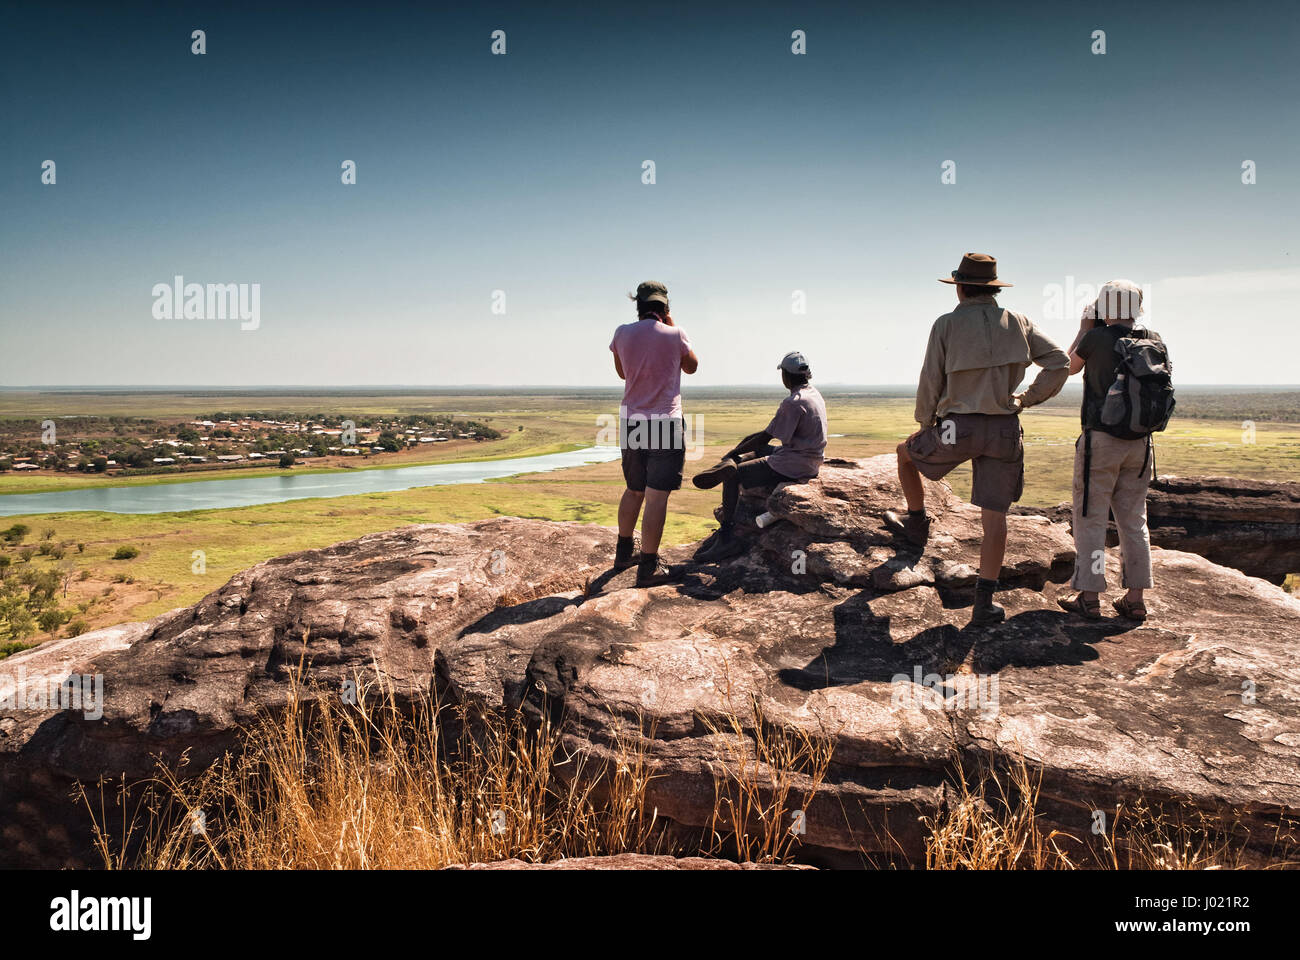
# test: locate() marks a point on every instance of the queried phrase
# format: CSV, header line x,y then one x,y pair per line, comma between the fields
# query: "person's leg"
x,y
750,474
730,500
629,508
994,545
910,479
1129,505
652,523
1101,467
997,481
663,475
915,525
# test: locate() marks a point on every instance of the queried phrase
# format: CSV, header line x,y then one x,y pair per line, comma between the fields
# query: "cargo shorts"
x,y
992,442
654,452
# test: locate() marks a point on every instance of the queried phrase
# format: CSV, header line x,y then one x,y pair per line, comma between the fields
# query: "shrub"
x,y
76,628
126,553
50,620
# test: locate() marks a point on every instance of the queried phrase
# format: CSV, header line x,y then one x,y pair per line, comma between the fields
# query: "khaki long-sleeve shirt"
x,y
977,357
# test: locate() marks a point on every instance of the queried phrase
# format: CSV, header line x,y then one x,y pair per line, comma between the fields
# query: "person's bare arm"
x,y
751,444
1052,377
1086,323
690,362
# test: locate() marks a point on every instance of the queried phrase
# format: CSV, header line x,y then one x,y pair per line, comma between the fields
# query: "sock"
x,y
725,529
916,513
649,561
988,587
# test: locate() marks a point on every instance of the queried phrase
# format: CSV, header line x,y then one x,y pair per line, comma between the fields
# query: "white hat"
x,y
1119,300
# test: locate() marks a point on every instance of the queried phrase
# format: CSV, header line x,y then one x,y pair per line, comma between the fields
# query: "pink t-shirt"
x,y
651,354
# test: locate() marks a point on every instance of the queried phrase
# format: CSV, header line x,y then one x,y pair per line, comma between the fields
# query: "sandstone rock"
x,y
1250,525
524,615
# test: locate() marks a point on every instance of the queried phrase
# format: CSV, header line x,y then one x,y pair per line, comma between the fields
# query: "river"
x,y
251,491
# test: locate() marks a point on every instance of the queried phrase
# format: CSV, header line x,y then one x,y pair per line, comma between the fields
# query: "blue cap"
x,y
793,362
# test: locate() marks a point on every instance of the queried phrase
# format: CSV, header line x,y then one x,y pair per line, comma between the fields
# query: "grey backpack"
x,y
1141,400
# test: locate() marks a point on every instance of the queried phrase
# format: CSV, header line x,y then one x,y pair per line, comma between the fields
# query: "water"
x,y
235,492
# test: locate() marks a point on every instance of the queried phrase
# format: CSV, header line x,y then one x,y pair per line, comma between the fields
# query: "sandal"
x,y
1076,604
1133,611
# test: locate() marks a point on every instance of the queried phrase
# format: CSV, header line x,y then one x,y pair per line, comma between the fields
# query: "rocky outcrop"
x,y
1252,525
827,628
1249,525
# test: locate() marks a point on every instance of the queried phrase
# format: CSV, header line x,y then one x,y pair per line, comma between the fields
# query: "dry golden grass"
x,y
762,785
993,823
376,783
371,785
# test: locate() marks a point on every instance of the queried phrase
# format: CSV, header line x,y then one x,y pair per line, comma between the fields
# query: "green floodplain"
x,y
1242,432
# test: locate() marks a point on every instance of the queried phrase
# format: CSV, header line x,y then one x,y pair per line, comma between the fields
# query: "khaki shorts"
x,y
994,445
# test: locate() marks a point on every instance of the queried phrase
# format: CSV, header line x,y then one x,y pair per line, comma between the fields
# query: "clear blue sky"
x,y
522,173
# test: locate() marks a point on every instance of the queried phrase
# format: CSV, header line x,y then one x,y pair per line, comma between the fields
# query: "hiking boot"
x,y
913,527
709,543
625,554
710,478
651,571
986,612
724,548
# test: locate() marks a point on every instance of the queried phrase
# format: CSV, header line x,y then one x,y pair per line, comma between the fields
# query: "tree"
x,y
50,620
286,460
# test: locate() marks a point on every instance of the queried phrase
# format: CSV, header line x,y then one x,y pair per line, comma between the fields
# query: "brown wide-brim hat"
x,y
979,269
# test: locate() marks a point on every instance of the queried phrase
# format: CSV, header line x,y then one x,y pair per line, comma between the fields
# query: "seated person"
x,y
800,425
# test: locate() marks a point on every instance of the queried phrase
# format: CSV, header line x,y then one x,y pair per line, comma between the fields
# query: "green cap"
x,y
652,291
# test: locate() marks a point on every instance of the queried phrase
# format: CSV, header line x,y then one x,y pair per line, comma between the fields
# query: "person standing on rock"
x,y
1114,459
969,410
650,356
800,425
